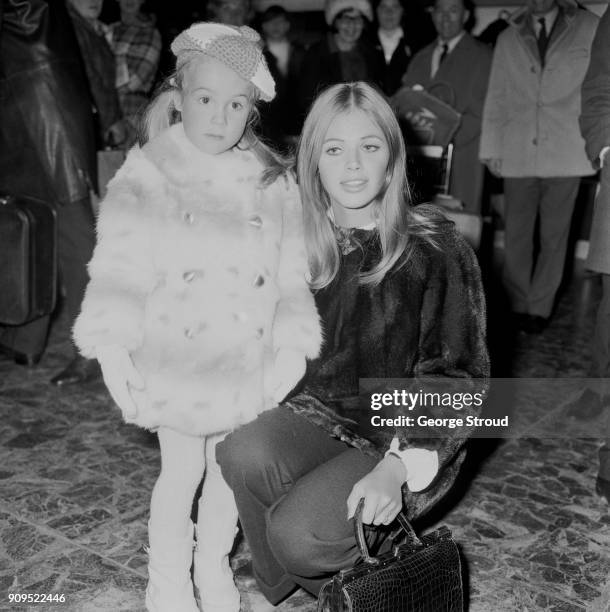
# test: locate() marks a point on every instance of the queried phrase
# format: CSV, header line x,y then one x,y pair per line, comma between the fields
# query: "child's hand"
x,y
119,375
288,368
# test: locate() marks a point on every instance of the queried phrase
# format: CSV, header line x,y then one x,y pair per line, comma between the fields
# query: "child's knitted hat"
x,y
334,7
236,47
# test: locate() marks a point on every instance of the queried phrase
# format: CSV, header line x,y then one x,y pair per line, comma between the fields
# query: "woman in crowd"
x,y
344,54
400,296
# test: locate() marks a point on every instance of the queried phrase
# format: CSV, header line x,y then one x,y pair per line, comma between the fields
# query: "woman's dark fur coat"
x,y
425,319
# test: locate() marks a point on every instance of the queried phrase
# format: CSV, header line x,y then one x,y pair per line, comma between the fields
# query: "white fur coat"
x,y
200,273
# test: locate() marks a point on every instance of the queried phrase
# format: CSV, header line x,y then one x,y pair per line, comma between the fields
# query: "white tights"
x,y
184,459
182,468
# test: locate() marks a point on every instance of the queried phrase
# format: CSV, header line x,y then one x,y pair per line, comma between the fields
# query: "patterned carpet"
x,y
75,484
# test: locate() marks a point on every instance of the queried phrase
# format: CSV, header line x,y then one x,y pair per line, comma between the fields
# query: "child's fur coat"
x,y
200,274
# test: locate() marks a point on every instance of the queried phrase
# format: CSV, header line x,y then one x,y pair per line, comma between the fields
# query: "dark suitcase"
x,y
28,259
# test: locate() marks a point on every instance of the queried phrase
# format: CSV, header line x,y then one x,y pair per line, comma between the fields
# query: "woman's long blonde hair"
x,y
396,220
161,113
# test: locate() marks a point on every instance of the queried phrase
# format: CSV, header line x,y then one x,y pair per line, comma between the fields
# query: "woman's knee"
x,y
247,452
303,545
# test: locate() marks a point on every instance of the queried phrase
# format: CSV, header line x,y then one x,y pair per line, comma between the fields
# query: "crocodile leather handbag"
x,y
419,574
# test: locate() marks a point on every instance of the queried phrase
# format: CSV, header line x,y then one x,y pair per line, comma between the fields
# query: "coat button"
x,y
535,141
189,333
259,281
255,221
189,217
260,332
190,275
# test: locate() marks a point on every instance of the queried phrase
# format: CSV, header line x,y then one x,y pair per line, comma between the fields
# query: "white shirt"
x,y
438,50
421,465
549,20
389,41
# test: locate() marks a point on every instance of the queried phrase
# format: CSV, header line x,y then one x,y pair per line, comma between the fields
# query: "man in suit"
x,y
532,139
456,68
595,127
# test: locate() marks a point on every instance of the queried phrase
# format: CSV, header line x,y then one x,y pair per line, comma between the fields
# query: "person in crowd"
x,y
344,54
280,121
403,29
456,69
137,47
100,67
399,294
532,139
46,100
190,348
231,12
595,126
391,42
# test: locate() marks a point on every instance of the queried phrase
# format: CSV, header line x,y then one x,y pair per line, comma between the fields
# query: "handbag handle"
x,y
361,541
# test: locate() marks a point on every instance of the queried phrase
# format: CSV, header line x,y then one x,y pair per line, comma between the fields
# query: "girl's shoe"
x,y
216,529
212,573
170,588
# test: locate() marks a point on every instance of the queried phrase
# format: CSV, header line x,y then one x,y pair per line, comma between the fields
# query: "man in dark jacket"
x,y
595,127
100,66
47,151
456,68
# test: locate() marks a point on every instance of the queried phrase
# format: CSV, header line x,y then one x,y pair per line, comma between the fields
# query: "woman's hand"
x,y
382,492
119,375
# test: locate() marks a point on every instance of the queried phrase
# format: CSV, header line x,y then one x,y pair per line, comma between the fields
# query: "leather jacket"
x,y
47,142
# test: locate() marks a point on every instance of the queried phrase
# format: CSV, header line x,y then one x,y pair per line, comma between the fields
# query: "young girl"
x,y
400,295
198,309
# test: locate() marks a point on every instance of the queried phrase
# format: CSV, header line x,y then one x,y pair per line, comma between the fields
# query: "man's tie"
x,y
444,52
543,39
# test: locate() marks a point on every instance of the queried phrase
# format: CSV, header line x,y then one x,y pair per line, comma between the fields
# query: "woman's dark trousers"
x,y
291,481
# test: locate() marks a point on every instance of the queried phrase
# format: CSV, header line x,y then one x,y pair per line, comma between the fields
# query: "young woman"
x,y
400,296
